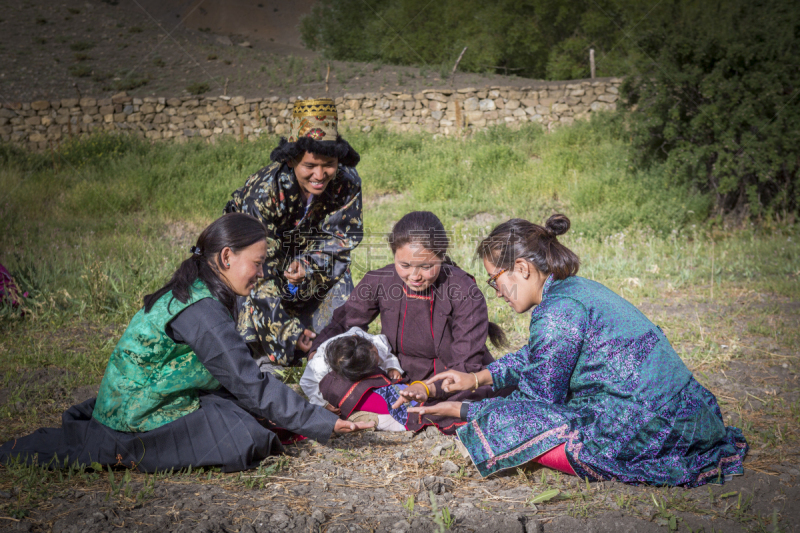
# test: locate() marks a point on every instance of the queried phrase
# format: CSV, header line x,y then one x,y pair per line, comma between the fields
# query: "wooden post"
x,y
591,61
327,75
453,75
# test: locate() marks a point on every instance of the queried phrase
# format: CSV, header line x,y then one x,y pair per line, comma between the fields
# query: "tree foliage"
x,y
533,38
717,99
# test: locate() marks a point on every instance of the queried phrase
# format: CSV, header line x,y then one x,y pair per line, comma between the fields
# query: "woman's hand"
x,y
345,426
296,273
332,409
454,381
452,409
394,374
416,392
305,340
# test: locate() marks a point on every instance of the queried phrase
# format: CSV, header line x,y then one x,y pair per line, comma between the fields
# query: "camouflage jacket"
x,y
321,238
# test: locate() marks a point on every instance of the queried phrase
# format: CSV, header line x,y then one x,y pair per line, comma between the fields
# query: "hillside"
x,y
54,50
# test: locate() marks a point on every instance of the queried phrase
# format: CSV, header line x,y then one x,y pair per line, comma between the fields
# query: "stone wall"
x,y
42,124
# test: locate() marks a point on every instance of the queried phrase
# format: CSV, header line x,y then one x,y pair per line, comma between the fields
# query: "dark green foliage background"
x,y
533,38
718,100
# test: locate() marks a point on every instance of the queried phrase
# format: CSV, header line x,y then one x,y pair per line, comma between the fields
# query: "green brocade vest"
x,y
150,379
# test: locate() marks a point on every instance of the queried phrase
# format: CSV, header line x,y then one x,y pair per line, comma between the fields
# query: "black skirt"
x,y
219,433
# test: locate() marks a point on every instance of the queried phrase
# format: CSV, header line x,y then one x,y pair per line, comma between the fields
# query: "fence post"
x,y
591,61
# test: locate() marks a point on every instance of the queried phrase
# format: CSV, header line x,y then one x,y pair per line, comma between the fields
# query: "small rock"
x,y
279,518
402,524
224,40
449,467
246,44
23,526
436,451
318,516
98,516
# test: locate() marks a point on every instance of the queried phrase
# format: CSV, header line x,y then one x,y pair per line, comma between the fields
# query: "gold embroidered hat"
x,y
316,119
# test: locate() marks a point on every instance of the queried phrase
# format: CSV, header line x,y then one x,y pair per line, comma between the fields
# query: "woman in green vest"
x,y
181,388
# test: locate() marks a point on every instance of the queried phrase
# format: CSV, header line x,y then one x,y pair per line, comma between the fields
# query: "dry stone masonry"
x,y
42,124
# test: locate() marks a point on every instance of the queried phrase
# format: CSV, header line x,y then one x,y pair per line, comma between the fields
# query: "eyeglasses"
x,y
492,281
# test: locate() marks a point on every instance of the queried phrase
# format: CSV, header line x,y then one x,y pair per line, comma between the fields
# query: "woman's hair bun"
x,y
557,224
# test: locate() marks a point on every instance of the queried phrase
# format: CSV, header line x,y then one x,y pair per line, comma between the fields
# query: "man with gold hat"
x,y
309,199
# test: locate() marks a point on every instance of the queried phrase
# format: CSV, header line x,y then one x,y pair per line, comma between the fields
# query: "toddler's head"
x,y
352,357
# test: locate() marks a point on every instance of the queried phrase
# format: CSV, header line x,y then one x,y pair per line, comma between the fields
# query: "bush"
x,y
80,71
198,88
718,103
81,46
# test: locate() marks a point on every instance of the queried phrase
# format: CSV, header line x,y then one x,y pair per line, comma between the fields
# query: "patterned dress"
x,y
599,376
320,235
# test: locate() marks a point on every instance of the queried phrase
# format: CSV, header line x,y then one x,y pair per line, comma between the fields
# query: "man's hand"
x,y
345,426
416,392
332,409
296,273
394,374
305,340
452,409
311,354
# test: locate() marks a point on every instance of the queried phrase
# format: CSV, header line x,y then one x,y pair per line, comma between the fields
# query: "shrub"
x,y
80,71
198,88
718,103
80,46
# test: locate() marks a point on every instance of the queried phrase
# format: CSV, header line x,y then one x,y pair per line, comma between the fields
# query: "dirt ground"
x,y
383,481
53,50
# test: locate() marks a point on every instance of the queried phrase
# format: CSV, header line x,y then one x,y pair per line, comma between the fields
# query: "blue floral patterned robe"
x,y
599,376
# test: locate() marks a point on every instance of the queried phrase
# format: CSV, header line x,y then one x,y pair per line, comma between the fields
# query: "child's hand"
x,y
416,392
305,340
394,374
332,409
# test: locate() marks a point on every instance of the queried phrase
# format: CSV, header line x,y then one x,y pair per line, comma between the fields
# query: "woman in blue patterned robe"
x,y
596,378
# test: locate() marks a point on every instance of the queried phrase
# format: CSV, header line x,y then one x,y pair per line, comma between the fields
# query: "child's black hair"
x,y
351,357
